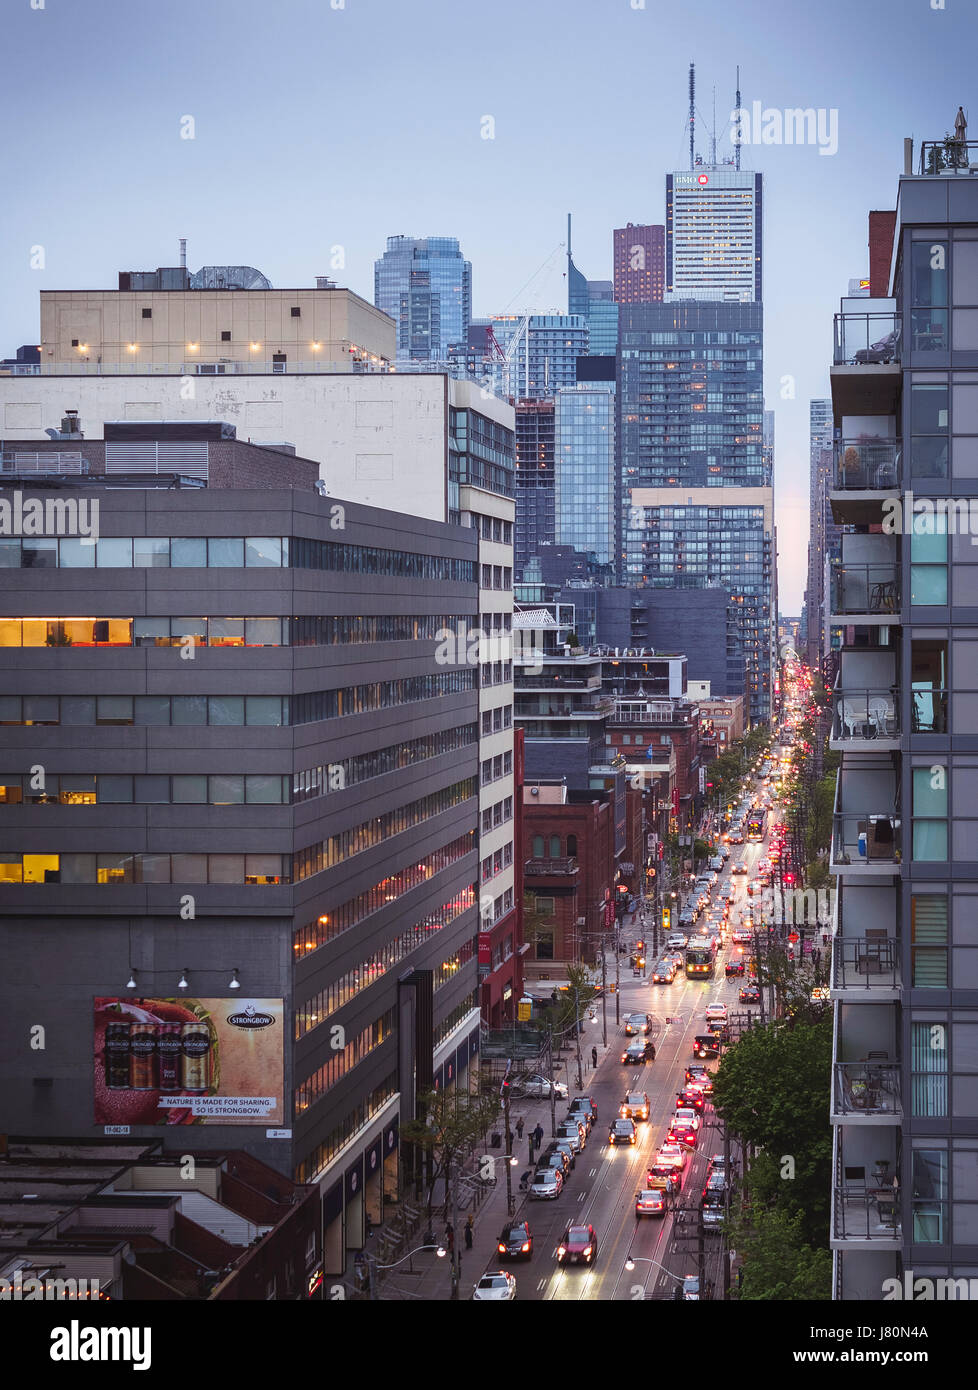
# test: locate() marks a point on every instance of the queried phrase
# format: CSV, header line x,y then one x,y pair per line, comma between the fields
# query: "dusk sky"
x,y
320,125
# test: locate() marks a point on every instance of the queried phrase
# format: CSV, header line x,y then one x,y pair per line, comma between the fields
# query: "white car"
x,y
538,1088
547,1184
497,1287
716,1013
717,862
676,942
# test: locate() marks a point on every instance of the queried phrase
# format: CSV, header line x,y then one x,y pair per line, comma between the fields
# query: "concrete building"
x,y
904,1104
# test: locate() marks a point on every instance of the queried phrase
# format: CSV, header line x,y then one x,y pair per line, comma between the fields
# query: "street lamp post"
x,y
374,1267
632,1260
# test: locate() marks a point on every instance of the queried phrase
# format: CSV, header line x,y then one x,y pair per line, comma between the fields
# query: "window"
x,y
225,335
545,944
928,562
928,1178
930,808
928,296
295,311
929,428
147,313
571,845
555,847
537,848
74,342
928,1068
928,935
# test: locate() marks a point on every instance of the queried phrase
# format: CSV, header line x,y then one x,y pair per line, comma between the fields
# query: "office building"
x,y
425,285
824,534
904,1103
639,252
713,234
535,480
542,352
584,453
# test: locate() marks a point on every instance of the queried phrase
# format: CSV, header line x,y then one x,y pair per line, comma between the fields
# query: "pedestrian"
x,y
594,1056
651,1052
519,1127
538,1135
468,1231
450,1237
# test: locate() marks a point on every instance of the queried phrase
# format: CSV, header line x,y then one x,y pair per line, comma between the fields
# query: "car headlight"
x,y
561,1250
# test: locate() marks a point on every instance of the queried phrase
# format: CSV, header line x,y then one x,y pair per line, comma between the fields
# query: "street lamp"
x,y
632,1260
374,1267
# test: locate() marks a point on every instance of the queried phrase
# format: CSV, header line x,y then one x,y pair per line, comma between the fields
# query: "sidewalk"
x,y
432,1277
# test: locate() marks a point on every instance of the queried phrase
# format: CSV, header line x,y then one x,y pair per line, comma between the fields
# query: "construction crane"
x,y
507,355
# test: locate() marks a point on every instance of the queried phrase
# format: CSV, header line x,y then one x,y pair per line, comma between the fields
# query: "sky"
x,y
321,127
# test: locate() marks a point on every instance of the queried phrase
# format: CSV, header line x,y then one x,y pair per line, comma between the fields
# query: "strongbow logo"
x,y
250,1018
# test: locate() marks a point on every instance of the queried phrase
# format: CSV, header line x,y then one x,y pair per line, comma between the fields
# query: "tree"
x,y
448,1126
778,1265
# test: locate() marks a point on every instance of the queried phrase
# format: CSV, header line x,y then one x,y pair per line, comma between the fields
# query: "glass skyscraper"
x,y
584,449
556,341
426,287
713,234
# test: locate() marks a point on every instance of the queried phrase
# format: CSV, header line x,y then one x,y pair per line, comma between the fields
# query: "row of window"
x,y
493,720
550,849
261,869
303,631
494,864
494,768
91,789
227,552
349,772
317,858
500,906
360,699
495,673
497,577
497,815
355,1120
371,1037
491,528
316,1010
343,918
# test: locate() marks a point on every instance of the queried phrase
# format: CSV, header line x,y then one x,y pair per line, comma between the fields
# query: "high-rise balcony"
x,y
870,592
865,1190
865,719
867,1090
866,372
866,968
866,842
867,464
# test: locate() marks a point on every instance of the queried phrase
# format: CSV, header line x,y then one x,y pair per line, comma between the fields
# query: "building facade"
x,y
535,479
584,458
425,285
639,256
714,234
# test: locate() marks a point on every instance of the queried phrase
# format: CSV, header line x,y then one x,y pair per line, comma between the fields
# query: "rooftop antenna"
x,y
692,112
713,133
183,252
737,146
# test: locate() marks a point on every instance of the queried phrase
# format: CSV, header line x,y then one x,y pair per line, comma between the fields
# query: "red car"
x,y
683,1132
734,967
578,1245
750,994
692,1095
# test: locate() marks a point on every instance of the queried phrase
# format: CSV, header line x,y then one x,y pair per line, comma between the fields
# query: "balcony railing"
x,y
865,714
928,710
253,367
867,1213
539,868
865,962
864,589
860,837
867,465
866,340
947,156
867,1088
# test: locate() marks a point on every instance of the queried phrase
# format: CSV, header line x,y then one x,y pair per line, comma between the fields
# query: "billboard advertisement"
x,y
189,1061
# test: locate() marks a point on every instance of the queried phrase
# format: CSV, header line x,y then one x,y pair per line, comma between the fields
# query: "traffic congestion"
x,y
618,1199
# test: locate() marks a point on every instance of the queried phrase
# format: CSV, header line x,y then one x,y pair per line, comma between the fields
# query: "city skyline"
x,y
139,182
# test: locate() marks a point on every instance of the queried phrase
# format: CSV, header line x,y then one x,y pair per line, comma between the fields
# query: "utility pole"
x,y
553,1084
726,1213
504,1088
604,994
577,1038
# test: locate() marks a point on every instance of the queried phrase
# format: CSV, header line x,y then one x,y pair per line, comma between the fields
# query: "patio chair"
x,y
882,715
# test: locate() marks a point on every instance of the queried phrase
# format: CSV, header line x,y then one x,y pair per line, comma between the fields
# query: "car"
x,y
735,966
537,1087
578,1245
677,941
688,916
622,1132
586,1104
687,1114
636,961
663,1177
547,1184
716,862
691,1287
678,958
716,1011
496,1287
650,1202
724,852
564,1146
742,936
730,896
737,838
574,1131
754,887
672,1155
699,1076
638,1051
691,1095
684,1131
706,1045
713,1199
664,972
637,1024
749,993
635,1106
717,1164
740,868
720,1030
515,1241
552,1157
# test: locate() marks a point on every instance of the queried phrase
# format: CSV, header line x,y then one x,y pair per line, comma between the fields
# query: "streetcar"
x,y
701,960
755,826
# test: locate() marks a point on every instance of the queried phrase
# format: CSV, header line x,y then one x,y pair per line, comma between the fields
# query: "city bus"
x,y
701,960
755,826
